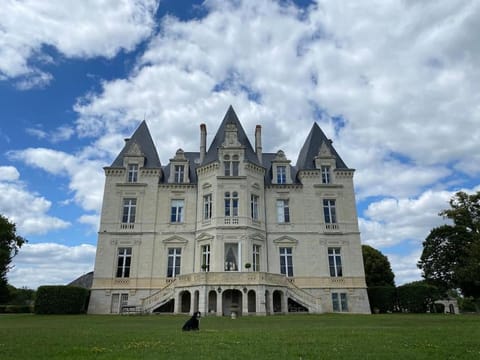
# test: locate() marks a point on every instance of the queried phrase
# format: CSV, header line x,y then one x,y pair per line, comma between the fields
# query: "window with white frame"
x,y
176,214
325,170
254,206
281,174
124,260
231,204
283,211
132,174
329,211
129,210
207,207
339,302
286,261
335,262
174,262
256,257
231,257
205,258
231,165
179,174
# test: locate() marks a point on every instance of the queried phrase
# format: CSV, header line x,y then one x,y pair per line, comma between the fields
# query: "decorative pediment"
x,y
231,136
134,150
285,240
325,151
175,240
179,156
257,237
204,237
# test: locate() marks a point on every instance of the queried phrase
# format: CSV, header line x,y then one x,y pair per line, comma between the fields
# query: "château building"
x,y
229,230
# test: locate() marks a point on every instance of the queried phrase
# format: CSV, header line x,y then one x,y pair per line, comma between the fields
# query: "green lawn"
x,y
331,336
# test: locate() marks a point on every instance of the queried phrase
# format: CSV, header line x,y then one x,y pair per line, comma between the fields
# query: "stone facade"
x,y
229,231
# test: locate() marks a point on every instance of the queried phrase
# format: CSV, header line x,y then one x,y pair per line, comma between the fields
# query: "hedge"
x,y
417,297
16,309
61,300
382,298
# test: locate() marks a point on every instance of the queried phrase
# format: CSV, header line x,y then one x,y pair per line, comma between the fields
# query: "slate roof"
x,y
143,139
315,139
219,139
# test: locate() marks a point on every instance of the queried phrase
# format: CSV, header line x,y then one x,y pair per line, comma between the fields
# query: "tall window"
x,y
335,262
124,259
132,173
174,259
286,261
283,211
207,207
231,165
339,302
256,258
129,210
206,258
254,207
176,214
325,174
179,174
281,174
231,204
329,211
231,257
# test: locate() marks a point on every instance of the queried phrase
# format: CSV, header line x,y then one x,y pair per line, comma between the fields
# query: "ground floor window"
x,y
339,302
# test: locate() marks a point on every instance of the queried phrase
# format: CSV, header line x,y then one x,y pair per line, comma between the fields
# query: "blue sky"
x,y
394,84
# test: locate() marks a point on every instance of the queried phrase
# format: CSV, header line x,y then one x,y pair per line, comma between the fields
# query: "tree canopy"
x,y
378,271
451,253
10,243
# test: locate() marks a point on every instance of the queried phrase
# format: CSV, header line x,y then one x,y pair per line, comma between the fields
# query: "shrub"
x,y
417,297
382,298
16,309
61,300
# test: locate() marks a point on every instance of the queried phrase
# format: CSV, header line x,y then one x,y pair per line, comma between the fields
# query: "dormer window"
x,y
231,165
132,173
281,174
179,168
325,170
179,174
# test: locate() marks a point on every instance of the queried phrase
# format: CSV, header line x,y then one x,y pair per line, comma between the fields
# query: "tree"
x,y
10,243
451,253
378,271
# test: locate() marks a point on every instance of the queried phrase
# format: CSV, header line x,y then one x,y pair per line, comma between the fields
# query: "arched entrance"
x,y
185,300
277,301
252,302
212,301
232,302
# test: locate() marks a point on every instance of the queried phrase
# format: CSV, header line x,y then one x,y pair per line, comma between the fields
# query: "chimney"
x,y
203,142
258,142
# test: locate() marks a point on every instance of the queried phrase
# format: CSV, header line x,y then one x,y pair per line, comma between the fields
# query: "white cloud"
x,y
28,210
9,173
50,264
62,133
391,221
86,177
405,267
85,28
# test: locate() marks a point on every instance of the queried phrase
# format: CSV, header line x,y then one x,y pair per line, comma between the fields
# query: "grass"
x,y
330,336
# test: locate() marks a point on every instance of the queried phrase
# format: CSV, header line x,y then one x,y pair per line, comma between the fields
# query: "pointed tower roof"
x,y
140,144
219,139
311,148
